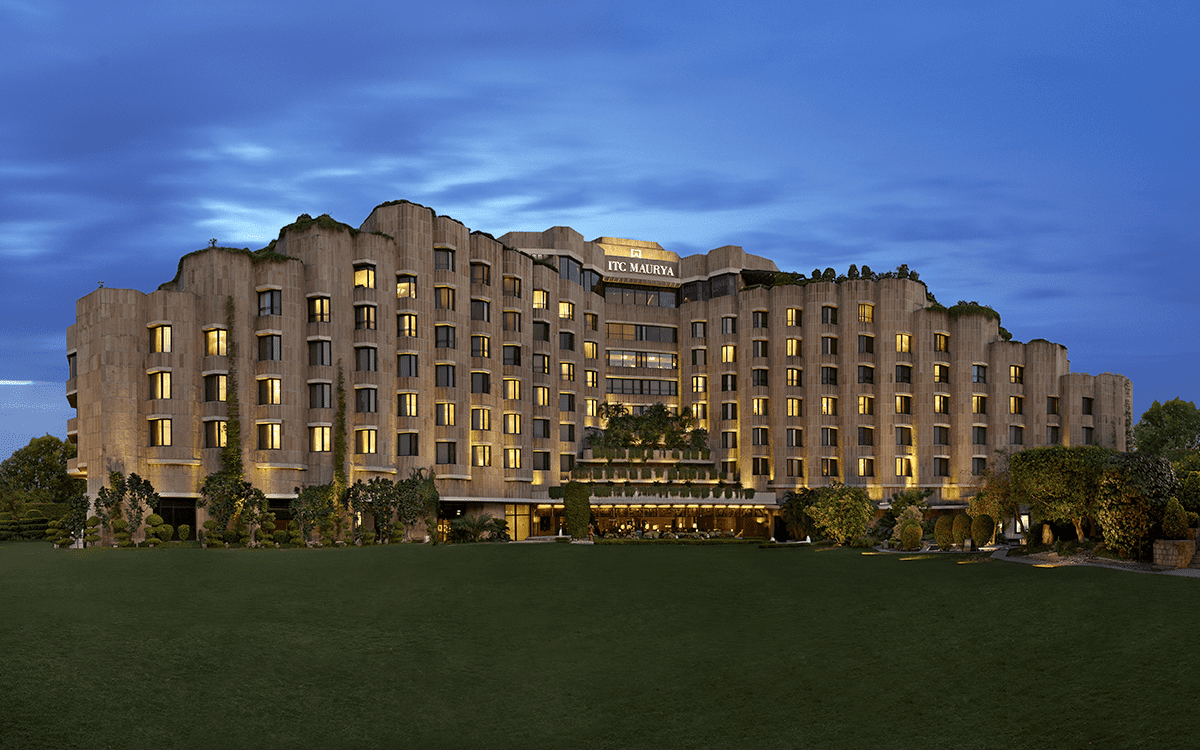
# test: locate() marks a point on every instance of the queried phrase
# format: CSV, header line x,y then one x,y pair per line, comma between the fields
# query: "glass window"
x,y
443,297
699,384
512,355
512,424
406,405
541,460
978,466
443,337
320,395
591,321
160,385
541,395
160,432
512,458
445,452
160,339
566,432
941,404
407,444
866,467
903,466
941,435
941,373
795,407
566,402
866,436
270,302
216,433
1016,374
443,260
270,348
365,400
795,317
318,309
320,353
591,350
904,404
759,319
541,428
829,376
1016,435
481,419
866,344
364,275
444,376
729,353
512,287
829,315
541,299
866,374
364,318
761,406
941,342
903,342
903,374
866,405
978,404
270,391
566,310
699,329
406,286
903,436
979,435
829,467
215,387
1052,435
443,414
481,310
481,382
795,377
481,273
365,359
829,437
512,321
829,406
1087,405
406,325
270,436
793,348
1052,404
829,345
216,342
759,348
512,389
729,381
795,467
364,441
1016,405
481,346
978,373
566,340
866,313
729,410
729,324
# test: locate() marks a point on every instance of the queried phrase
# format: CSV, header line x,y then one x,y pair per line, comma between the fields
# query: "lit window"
x,y
216,343
160,339
406,325
829,345
481,455
443,298
904,404
406,366
729,353
407,444
270,391
941,342
866,405
795,407
443,414
566,310
829,315
160,385
215,387
364,318
1016,374
320,353
591,321
941,404
866,467
591,378
866,313
795,317
444,376
481,273
320,395
979,404
270,302
903,466
512,287
941,373
481,346
591,407
445,452
795,377
364,441
566,371
541,395
443,260
160,432
364,275
792,348
512,424
903,342
761,406
406,404
829,406
1016,405
541,299
406,286
590,350
216,433
365,400
270,436
512,389
512,458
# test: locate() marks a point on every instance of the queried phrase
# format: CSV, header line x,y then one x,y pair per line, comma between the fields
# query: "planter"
x,y
1174,553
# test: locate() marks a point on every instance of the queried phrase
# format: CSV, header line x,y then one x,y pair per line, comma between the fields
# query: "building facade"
x,y
487,360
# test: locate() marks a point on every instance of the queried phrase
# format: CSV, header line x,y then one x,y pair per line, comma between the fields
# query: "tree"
x,y
1133,497
1059,483
577,507
842,512
1170,430
794,512
37,473
133,494
381,498
232,500
311,506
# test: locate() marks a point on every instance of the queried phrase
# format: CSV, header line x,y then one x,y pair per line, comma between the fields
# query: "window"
x,y
903,343
541,460
541,395
320,353
729,324
759,348
566,341
759,377
829,437
941,342
512,355
444,414
978,404
512,389
407,444
866,344
541,363
1016,435
364,275
481,310
1087,405
481,346
270,436
795,317
270,348
795,377
364,318
443,337
941,404
364,441
269,391
829,467
866,313
1016,374
903,436
941,373
699,384
481,273
904,404
443,260
71,364
759,319
566,461
1088,436
270,302
903,374
1052,435
795,407
903,466
591,408
866,374
760,466
512,321
795,437
566,402
590,350
866,405
512,287
699,329
866,467
941,466
216,342
160,385
566,432
512,458
216,433
406,404
829,345
759,435
978,466
729,468
829,406
366,400
541,299
443,298
591,321
406,366
729,410
445,452
444,376
941,435
729,382
541,428
829,315
729,353
761,406
866,436
795,467
1016,405
320,395
481,455
978,373
512,424
160,432
566,310
729,439
406,286
566,371
215,387
1052,404
160,339
979,435
699,357
829,376
365,359
406,325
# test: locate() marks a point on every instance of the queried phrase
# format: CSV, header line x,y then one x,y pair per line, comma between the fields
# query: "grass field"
x,y
565,645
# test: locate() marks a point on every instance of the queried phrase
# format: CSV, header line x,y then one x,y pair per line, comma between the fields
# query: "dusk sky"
x,y
1039,157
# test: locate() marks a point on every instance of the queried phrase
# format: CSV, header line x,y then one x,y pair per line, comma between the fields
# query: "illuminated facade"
x,y
487,359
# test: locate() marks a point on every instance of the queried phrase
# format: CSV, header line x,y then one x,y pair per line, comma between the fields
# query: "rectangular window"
x,y
1087,405
160,432
541,364
729,439
1052,404
443,298
903,466
566,462
795,317
941,466
512,286
759,436
406,325
270,436
1016,374
512,424
364,441
566,310
406,286
407,444
941,435
829,406
829,437
829,345
729,353
941,342
903,343
566,432
699,384
566,402
591,378
795,377
481,273
320,395
566,371
512,458
481,310
541,428
270,391
541,395
1088,436
443,260
481,346
215,387
699,357
1052,435
729,324
160,339
760,466
978,404
270,348
512,389
320,353
761,406
1016,405
1016,435
541,460
512,321
160,385
979,435
364,318
866,436
866,344
591,350
903,436
406,366
364,275
866,405
903,374
866,313
443,337
978,466
941,404
444,376
445,452
759,348
759,377
566,341
795,467
699,329
216,342
366,400
591,408
216,433
795,407
443,414
829,315
829,467
829,376
270,302
481,455
729,468
866,467
792,347
591,321
729,382
866,374
406,404
904,404
795,437
729,410
541,299
365,359
941,373
978,373
759,319
512,355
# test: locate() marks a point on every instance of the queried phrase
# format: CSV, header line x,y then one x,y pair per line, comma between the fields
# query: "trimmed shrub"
x,y
943,532
154,520
1175,523
33,524
166,532
92,535
280,536
982,528
910,535
961,528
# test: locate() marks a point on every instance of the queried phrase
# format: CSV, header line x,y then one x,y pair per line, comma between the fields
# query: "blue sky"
x,y
1040,157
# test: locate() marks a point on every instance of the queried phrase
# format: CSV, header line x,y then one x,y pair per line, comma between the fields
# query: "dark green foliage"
x,y
1059,483
794,512
655,428
829,275
943,532
983,527
231,500
1170,429
910,535
339,436
37,473
154,520
577,509
134,495
842,513
478,527
185,531
962,528
231,454
311,506
1133,497
1175,521
1189,490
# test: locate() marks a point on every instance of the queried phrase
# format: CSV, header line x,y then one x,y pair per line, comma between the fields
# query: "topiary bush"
x,y
92,532
910,535
961,528
1175,523
983,527
281,536
33,524
943,532
166,532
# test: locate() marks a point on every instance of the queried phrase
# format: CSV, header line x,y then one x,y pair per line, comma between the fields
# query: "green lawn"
x,y
565,645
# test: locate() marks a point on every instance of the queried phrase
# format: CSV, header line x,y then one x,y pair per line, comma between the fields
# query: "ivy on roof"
x,y
262,255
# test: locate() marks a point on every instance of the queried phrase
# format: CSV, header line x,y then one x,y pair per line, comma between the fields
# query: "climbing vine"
x,y
339,437
231,454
